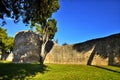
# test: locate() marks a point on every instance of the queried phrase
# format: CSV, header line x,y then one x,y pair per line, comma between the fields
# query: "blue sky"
x,y
81,20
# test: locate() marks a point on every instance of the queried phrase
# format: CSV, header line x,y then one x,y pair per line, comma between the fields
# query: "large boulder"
x,y
26,47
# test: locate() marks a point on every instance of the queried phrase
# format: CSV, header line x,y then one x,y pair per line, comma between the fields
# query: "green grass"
x,y
9,71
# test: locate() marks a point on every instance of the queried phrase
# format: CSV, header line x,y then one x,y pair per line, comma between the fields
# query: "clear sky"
x,y
81,20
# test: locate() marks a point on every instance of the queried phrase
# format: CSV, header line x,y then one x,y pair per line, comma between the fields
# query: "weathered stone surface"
x,y
10,57
26,47
102,51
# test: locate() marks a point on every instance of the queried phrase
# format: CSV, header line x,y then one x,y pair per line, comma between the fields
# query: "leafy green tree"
x,y
9,43
46,35
46,26
6,43
36,11
3,37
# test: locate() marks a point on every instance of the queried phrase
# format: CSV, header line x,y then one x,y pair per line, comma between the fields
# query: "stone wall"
x,y
102,51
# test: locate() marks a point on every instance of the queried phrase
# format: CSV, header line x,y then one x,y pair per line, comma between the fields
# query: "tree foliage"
x,y
6,42
35,10
51,28
3,37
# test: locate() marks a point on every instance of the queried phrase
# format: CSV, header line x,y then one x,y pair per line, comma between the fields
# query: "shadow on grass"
x,y
9,71
106,69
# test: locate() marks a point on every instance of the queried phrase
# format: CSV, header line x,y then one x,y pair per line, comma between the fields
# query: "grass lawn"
x,y
9,71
